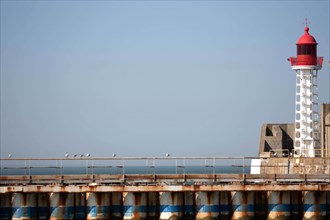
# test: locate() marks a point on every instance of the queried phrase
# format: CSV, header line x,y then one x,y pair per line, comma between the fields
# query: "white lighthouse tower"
x,y
307,119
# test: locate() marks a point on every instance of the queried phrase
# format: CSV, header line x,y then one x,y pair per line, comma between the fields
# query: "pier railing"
x,y
159,165
124,165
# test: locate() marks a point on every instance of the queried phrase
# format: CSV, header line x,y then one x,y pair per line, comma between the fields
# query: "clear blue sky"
x,y
145,78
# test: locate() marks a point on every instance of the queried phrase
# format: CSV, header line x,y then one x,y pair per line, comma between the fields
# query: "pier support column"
x,y
153,205
296,205
279,205
61,206
314,203
207,205
225,205
261,208
135,205
243,205
5,206
80,203
98,205
189,205
116,206
171,205
43,206
328,205
24,206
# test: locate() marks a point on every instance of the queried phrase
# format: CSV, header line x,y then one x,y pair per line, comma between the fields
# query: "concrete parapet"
x,y
318,165
293,165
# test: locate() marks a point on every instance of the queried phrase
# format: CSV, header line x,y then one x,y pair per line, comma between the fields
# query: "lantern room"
x,y
306,51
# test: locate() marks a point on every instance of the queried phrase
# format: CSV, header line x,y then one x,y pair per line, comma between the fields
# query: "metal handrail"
x,y
119,163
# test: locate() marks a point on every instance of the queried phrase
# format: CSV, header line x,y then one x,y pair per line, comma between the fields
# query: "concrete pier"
x,y
279,206
234,205
24,206
189,205
207,205
80,204
206,197
43,206
61,206
225,205
243,205
314,205
116,205
135,205
171,205
98,206
5,205
153,205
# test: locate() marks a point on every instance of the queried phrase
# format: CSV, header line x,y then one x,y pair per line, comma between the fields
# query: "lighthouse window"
x,y
299,50
308,49
313,50
303,49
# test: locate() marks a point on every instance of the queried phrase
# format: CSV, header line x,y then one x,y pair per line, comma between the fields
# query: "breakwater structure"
x,y
107,189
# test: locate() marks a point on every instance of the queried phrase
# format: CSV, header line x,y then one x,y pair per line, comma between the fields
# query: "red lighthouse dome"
x,y
306,38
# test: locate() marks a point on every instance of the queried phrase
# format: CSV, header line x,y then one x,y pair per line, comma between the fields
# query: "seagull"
x,y
114,155
88,155
167,155
66,154
9,155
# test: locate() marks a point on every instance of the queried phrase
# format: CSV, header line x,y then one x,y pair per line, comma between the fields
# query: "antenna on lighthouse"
x,y
306,22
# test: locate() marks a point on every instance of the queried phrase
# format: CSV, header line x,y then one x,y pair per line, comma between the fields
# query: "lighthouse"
x,y
307,120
